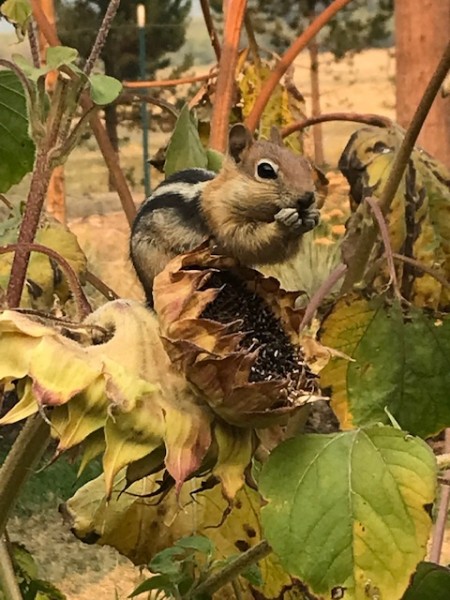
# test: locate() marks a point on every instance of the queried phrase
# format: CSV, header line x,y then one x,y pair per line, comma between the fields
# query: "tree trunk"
x,y
421,32
315,101
111,129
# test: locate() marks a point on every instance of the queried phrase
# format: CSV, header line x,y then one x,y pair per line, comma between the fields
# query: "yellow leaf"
x,y
235,450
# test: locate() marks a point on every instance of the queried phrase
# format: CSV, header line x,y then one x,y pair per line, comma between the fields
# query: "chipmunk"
x,y
256,209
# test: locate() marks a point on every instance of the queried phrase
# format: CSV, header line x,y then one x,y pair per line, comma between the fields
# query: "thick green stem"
x,y
8,581
234,569
27,450
368,232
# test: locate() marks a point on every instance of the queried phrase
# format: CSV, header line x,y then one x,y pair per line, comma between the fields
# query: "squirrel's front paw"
x,y
300,222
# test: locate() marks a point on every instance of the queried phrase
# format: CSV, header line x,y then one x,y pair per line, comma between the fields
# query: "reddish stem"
x,y
368,119
372,202
28,227
441,519
210,27
167,82
226,77
108,152
319,296
288,58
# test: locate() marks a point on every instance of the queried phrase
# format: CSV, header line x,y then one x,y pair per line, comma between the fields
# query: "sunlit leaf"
x,y
157,582
185,149
200,543
350,510
57,56
104,89
16,147
17,12
400,362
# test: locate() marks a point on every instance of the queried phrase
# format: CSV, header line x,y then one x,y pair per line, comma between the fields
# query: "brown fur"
x,y
241,210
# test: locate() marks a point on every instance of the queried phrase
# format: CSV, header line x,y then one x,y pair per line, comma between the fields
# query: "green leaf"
x,y
200,543
350,509
167,562
158,582
185,149
215,160
430,582
16,11
57,56
104,89
400,361
16,148
253,575
31,72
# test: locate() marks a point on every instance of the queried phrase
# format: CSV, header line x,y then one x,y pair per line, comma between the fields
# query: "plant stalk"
x,y
101,36
441,519
288,58
231,571
226,77
210,27
82,303
368,232
368,119
27,450
28,228
8,581
108,152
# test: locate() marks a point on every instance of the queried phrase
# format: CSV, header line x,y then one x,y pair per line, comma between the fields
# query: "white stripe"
x,y
188,191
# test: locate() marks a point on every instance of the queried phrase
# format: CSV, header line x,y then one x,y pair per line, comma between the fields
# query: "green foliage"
x,y
16,147
185,148
430,582
18,13
409,375
31,587
332,499
104,89
179,569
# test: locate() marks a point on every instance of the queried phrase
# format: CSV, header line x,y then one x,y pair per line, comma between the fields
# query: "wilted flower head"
x,y
179,391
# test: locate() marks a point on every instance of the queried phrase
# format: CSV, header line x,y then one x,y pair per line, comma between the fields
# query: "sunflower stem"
x,y
231,571
27,450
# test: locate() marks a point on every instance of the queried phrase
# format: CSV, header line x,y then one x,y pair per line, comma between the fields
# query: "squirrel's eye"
x,y
266,170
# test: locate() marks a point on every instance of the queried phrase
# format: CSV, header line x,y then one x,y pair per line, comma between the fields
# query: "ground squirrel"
x,y
256,208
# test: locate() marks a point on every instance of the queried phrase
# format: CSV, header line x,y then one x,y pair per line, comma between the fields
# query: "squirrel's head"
x,y
277,174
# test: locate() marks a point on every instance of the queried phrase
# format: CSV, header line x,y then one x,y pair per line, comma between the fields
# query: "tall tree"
x,y
79,22
421,34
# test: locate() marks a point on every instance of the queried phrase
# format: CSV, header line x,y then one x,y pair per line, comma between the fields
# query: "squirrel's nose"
x,y
306,200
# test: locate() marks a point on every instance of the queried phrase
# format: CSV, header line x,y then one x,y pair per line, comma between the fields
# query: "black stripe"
x,y
189,176
173,200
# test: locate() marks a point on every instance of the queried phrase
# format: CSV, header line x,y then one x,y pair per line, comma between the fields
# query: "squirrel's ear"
x,y
239,139
275,136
